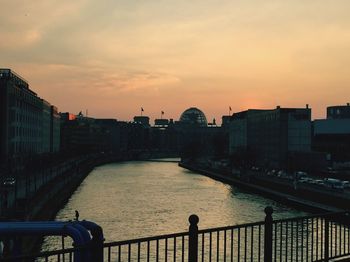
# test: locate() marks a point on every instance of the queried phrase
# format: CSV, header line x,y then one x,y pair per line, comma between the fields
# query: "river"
x,y
142,198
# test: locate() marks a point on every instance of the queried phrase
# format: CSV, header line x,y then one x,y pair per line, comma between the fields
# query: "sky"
x,y
112,57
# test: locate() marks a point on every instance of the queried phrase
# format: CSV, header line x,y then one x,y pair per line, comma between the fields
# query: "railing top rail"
x,y
322,215
144,239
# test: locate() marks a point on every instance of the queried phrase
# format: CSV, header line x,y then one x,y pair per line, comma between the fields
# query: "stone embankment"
x,y
39,195
306,197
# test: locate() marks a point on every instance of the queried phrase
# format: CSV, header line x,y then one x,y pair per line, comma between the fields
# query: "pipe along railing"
x,y
309,238
87,240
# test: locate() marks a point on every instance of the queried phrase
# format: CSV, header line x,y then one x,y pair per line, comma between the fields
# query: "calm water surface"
x,y
139,199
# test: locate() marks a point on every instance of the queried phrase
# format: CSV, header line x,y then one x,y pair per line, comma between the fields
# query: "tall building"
x,y
27,122
21,116
270,135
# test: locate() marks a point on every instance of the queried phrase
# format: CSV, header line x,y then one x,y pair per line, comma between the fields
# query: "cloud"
x,y
160,49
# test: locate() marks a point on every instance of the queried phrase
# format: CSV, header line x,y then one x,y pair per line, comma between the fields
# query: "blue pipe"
x,y
96,230
78,240
97,240
86,235
40,228
82,230
77,232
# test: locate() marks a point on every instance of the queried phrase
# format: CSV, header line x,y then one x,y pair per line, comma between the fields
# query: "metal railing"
x,y
309,238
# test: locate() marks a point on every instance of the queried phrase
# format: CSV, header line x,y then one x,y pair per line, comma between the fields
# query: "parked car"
x,y
9,181
319,182
281,173
306,180
299,175
333,183
346,184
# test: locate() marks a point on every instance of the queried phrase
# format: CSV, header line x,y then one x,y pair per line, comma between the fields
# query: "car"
x,y
9,181
346,184
305,180
333,183
299,175
319,182
269,173
282,173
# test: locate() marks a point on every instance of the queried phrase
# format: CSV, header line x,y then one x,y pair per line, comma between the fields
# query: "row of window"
x,y
25,147
21,97
25,132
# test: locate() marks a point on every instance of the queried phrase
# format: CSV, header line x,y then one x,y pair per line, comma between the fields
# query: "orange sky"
x,y
114,56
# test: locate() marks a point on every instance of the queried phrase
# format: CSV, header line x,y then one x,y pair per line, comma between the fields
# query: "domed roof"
x,y
193,116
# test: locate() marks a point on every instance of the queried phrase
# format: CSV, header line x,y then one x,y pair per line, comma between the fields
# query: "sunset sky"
x,y
113,57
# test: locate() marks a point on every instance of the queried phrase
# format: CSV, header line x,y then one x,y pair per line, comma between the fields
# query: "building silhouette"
x,y
269,136
332,135
193,117
29,125
161,122
338,112
143,120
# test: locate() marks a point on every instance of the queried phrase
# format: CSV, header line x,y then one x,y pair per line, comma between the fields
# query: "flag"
x,y
142,109
230,108
162,112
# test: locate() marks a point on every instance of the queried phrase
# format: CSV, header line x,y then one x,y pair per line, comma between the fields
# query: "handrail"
x,y
322,215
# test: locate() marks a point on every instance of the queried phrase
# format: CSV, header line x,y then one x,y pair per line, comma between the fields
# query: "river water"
x,y
139,199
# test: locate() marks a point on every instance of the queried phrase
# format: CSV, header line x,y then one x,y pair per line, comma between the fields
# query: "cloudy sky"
x,y
113,57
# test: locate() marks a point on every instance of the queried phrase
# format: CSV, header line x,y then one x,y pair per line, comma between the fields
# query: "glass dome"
x,y
193,116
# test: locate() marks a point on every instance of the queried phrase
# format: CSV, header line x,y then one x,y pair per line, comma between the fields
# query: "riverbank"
x,y
272,189
53,195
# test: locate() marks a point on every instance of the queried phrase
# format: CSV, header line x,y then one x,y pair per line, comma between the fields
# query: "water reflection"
x,y
136,199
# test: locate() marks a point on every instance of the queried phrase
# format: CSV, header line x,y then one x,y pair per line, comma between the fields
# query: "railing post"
x,y
268,235
193,239
326,239
96,244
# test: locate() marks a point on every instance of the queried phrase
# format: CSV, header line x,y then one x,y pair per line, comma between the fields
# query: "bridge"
x,y
323,237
